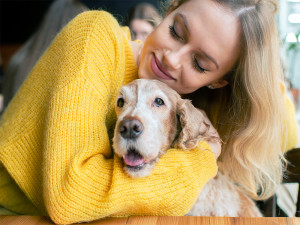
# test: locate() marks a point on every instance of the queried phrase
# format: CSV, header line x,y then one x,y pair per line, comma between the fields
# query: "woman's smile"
x,y
159,70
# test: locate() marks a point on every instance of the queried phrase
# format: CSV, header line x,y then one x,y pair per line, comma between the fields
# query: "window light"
x,y
294,18
291,37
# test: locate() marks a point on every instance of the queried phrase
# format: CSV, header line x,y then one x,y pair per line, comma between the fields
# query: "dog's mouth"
x,y
134,160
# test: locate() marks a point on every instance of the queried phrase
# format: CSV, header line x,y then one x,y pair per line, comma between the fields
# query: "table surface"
x,y
161,220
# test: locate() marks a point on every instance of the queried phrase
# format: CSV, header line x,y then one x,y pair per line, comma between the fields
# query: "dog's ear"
x,y
192,126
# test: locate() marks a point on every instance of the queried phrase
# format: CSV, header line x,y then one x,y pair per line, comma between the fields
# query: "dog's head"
x,y
152,118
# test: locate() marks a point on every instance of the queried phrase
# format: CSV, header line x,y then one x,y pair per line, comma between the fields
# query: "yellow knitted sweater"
x,y
55,150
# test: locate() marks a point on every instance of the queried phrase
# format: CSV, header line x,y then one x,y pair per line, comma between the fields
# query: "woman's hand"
x,y
214,143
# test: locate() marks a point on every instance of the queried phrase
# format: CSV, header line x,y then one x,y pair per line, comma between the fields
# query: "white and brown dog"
x,y
153,118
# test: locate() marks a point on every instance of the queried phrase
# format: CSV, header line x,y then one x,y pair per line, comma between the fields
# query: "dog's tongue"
x,y
133,159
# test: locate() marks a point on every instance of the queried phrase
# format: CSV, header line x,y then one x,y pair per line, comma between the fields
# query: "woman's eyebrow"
x,y
185,23
210,58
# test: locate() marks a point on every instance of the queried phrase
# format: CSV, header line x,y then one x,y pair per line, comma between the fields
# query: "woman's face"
x,y
194,46
140,29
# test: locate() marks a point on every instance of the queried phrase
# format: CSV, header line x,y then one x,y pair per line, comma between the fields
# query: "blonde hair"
x,y
249,113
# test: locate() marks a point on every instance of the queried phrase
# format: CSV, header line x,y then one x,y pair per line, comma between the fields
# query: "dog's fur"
x,y
152,118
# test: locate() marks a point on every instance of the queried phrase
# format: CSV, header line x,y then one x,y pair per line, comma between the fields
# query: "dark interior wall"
x,y
20,18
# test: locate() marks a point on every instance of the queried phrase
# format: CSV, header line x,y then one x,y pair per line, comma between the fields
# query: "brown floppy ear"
x,y
193,128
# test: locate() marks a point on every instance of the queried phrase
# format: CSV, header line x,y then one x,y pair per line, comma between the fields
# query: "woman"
x,y
142,20
55,135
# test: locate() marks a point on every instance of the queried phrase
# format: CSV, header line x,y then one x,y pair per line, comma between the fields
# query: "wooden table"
x,y
160,220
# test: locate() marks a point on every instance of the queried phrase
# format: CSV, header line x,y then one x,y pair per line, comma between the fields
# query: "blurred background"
x,y
19,19
289,30
289,27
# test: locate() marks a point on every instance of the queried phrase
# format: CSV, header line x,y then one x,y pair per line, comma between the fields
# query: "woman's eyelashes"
x,y
197,66
174,33
176,36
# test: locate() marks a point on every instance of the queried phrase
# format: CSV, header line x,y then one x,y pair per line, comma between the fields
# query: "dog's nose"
x,y
131,128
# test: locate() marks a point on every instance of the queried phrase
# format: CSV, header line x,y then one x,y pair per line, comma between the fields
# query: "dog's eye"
x,y
158,102
120,102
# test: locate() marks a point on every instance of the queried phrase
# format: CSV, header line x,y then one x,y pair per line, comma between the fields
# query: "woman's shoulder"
x,y
96,24
92,18
92,41
95,14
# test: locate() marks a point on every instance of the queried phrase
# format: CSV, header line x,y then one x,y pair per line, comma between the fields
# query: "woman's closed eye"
x,y
177,37
174,33
197,66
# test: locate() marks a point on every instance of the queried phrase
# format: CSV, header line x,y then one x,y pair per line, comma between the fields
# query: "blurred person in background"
x,y
142,20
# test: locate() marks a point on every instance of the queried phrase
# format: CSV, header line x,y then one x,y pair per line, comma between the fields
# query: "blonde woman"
x,y
55,134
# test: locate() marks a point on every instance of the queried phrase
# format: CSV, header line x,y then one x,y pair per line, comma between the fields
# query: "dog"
x,y
152,118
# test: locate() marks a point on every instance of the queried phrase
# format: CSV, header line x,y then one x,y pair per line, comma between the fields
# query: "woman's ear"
x,y
219,83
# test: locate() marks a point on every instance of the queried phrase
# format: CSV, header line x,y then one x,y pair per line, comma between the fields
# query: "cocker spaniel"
x,y
152,118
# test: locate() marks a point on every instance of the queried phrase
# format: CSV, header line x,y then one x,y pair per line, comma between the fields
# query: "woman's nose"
x,y
173,59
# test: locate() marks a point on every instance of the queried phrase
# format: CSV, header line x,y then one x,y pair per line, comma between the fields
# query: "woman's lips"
x,y
158,69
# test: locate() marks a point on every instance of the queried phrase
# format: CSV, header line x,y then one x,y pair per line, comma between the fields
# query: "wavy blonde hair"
x,y
249,113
